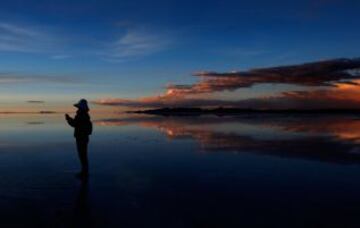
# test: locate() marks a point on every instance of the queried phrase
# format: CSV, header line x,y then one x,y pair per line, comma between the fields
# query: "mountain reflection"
x,y
323,138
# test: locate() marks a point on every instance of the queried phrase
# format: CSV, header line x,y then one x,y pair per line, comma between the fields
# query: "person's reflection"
x,y
82,214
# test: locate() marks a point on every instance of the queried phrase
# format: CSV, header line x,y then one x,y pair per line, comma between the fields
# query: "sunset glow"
x,y
131,60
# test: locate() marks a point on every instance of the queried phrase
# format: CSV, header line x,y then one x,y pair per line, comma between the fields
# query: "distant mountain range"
x,y
236,111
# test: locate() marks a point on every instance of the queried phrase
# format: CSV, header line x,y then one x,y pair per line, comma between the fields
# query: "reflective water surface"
x,y
151,171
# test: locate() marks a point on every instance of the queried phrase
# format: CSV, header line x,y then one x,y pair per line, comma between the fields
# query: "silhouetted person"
x,y
83,128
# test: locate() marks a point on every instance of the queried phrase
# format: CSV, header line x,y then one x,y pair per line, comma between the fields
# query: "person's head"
x,y
82,105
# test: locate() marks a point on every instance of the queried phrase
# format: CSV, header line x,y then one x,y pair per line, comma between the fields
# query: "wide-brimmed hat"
x,y
82,104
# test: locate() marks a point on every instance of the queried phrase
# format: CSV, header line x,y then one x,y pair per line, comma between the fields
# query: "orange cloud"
x,y
340,77
322,73
341,95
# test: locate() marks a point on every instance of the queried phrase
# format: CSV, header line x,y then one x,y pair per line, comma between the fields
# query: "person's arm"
x,y
70,120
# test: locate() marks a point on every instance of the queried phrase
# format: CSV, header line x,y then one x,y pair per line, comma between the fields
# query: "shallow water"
x,y
147,171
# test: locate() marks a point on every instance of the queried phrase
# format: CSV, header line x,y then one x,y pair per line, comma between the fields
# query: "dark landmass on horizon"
x,y
238,111
38,112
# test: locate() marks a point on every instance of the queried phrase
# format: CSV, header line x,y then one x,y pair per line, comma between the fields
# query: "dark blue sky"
x,y
66,49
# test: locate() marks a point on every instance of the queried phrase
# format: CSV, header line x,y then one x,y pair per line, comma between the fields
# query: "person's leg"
x,y
82,145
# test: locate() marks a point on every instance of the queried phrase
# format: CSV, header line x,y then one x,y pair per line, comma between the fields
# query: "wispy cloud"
x,y
137,43
35,102
60,57
17,30
18,78
21,38
134,42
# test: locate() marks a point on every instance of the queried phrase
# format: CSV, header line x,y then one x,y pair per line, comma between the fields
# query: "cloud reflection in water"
x,y
323,138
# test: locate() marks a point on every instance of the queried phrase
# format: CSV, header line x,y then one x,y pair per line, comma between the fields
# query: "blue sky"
x,y
63,50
